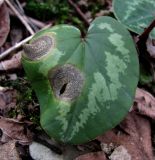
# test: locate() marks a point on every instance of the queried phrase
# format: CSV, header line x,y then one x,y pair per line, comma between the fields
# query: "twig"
x,y
37,22
79,12
7,52
20,17
18,6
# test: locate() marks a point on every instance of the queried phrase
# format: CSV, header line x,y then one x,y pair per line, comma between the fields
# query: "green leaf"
x,y
136,15
85,86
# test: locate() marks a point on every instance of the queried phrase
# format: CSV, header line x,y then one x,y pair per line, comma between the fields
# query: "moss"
x,y
27,103
47,9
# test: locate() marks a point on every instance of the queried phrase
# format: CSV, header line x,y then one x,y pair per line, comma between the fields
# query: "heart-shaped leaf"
x,y
85,86
136,15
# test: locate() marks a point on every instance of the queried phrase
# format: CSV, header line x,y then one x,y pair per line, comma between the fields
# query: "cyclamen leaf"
x,y
136,15
85,86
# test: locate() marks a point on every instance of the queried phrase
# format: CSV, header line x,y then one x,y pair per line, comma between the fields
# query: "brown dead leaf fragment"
x,y
13,63
8,151
144,103
92,156
4,23
13,129
7,99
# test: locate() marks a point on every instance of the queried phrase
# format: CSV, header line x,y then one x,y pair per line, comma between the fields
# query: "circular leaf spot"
x,y
38,47
66,82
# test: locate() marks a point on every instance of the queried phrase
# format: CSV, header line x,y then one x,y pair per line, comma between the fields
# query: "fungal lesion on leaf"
x,y
39,47
63,88
66,82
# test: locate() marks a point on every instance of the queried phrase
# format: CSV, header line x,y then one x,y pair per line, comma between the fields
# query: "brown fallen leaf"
x,y
4,23
92,156
15,130
13,63
7,100
144,103
8,151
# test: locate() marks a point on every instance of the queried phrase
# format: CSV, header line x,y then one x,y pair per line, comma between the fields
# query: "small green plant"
x,y
136,15
85,85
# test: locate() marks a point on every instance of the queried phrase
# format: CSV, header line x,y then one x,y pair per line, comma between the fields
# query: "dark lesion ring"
x,y
38,47
66,82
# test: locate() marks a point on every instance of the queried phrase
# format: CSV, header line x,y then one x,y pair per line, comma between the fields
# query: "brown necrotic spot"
x,y
66,82
38,48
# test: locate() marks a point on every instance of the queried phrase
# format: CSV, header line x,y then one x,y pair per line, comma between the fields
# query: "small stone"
x,y
41,152
120,153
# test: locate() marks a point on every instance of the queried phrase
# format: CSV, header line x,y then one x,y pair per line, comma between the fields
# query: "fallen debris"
x,y
8,151
14,130
4,23
41,152
92,156
13,63
144,103
7,100
120,153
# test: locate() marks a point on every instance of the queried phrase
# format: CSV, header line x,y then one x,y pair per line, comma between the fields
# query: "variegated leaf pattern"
x,y
106,68
136,15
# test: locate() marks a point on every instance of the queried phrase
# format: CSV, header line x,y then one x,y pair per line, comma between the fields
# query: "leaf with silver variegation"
x,y
85,85
136,15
